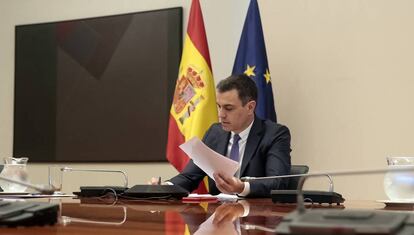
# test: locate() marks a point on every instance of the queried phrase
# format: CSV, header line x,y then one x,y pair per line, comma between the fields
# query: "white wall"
x,y
342,76
344,80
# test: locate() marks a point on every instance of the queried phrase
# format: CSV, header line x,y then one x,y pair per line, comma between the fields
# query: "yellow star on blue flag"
x,y
267,76
250,71
251,59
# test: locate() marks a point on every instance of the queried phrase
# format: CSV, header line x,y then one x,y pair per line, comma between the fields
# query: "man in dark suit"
x,y
261,147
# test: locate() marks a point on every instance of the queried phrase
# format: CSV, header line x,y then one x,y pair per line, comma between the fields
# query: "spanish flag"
x,y
194,104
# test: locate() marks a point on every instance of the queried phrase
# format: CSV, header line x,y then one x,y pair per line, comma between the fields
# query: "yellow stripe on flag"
x,y
194,105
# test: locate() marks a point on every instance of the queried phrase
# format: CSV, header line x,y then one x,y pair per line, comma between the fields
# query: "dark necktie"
x,y
234,152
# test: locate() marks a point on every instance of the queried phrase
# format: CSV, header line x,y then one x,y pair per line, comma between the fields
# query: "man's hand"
x,y
228,184
155,181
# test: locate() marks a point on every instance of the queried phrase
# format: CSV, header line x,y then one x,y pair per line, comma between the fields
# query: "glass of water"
x,y
14,169
399,186
55,177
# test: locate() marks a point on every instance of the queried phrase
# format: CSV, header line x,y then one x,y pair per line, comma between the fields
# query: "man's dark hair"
x,y
245,86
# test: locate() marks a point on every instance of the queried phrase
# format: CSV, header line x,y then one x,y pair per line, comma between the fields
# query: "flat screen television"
x,y
97,89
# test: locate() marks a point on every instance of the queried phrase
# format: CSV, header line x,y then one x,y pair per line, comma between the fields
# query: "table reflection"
x,y
228,218
253,216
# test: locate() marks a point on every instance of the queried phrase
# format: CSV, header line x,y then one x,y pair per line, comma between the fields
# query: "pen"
x,y
159,180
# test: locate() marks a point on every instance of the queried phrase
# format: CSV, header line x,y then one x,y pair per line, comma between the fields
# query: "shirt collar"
x,y
245,133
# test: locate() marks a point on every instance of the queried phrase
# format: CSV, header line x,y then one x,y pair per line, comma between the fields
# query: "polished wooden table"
x,y
104,216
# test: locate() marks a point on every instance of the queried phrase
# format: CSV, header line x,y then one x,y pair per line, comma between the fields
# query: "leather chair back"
x,y
296,170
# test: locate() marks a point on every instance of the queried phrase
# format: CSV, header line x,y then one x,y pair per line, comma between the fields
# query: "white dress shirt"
x,y
242,146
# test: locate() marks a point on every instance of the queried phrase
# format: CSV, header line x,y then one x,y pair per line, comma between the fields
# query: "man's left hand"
x,y
228,184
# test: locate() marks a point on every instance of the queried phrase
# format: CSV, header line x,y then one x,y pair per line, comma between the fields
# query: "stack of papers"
x,y
208,160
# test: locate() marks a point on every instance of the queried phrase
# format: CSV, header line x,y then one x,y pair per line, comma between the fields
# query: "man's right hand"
x,y
228,184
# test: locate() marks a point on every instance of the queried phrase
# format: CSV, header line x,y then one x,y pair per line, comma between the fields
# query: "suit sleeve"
x,y
192,175
276,154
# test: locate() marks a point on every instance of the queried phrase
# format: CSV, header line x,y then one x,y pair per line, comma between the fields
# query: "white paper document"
x,y
207,159
220,197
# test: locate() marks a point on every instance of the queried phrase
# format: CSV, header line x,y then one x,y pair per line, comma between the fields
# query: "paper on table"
x,y
227,197
208,160
220,197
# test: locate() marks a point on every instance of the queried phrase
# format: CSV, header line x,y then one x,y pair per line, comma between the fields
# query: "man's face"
x,y
232,114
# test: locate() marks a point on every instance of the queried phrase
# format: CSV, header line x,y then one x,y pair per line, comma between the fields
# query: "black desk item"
x,y
290,196
156,192
13,214
145,191
97,191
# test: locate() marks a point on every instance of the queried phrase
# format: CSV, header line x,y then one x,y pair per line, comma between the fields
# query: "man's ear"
x,y
251,106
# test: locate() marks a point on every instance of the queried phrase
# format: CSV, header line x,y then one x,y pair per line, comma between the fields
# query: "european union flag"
x,y
251,59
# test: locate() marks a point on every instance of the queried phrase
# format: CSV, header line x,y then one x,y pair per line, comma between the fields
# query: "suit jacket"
x,y
267,153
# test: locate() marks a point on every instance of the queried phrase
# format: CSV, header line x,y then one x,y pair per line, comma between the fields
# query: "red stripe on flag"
x,y
174,154
202,188
197,32
174,223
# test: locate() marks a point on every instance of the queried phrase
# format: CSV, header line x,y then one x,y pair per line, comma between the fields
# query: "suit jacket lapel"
x,y
223,141
252,143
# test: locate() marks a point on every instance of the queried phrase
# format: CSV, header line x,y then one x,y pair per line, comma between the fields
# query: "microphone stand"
x,y
332,221
304,177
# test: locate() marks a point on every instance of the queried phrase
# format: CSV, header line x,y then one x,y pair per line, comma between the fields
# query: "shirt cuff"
x,y
246,190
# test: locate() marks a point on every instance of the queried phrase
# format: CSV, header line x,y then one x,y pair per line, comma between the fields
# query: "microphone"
x,y
251,178
48,190
343,172
70,169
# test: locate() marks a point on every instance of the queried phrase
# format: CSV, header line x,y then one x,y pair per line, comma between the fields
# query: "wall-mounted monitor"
x,y
96,89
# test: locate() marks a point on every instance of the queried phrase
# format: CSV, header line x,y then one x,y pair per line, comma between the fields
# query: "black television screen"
x,y
97,89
